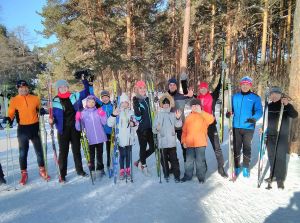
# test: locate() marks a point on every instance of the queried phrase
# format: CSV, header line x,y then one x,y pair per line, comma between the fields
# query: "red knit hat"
x,y
203,85
140,84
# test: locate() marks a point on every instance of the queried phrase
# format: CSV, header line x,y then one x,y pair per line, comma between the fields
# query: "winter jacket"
x,y
166,121
245,106
180,102
75,98
194,131
92,123
108,108
273,118
142,113
126,132
27,108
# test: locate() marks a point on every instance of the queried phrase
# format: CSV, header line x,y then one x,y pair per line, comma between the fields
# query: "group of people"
x,y
97,117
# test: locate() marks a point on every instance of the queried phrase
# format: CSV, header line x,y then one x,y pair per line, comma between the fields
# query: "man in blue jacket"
x,y
247,109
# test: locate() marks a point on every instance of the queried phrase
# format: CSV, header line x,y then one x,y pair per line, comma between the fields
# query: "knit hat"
x,y
166,97
140,84
104,93
246,80
91,97
124,98
203,85
61,83
172,81
276,89
195,101
21,83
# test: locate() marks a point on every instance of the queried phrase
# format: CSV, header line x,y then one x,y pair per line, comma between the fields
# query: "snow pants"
x,y
170,154
242,141
213,136
197,156
145,136
24,134
96,150
69,135
108,150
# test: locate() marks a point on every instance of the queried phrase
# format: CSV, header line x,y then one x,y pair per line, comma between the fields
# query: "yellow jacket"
x,y
194,131
27,108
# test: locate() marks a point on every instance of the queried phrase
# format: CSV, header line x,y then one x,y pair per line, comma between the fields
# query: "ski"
x,y
276,146
150,90
232,175
263,138
222,94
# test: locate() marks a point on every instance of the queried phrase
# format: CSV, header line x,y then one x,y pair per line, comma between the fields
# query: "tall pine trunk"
x,y
185,38
294,89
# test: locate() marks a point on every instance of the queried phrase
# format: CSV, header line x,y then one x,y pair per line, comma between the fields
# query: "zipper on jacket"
x,y
95,132
240,112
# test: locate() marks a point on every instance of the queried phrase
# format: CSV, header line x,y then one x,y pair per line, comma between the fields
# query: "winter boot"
x,y
237,171
184,179
62,180
222,172
24,177
44,174
177,180
128,173
280,184
201,180
2,181
136,163
246,172
82,173
122,174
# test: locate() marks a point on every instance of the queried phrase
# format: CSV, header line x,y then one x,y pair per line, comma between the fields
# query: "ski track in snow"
x,y
146,200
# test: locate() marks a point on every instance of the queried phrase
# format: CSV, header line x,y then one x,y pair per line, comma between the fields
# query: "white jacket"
x,y
126,132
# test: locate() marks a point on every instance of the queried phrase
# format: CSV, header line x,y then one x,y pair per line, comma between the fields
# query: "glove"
x,y
42,111
251,120
228,114
78,116
6,120
101,112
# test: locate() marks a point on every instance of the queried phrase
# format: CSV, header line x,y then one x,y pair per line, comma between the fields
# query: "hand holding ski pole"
x,y
178,114
116,112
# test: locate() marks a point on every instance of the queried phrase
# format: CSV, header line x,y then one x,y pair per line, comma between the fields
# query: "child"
x,y
126,134
194,140
107,106
91,120
2,180
141,106
164,126
282,149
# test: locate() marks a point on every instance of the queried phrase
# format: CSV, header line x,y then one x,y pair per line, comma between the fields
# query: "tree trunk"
x,y
294,89
185,39
129,28
288,32
212,40
265,33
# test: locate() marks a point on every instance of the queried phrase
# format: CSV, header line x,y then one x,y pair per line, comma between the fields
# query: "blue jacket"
x,y
76,100
245,106
108,108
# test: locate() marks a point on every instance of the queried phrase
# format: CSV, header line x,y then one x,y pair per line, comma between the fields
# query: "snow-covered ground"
x,y
146,200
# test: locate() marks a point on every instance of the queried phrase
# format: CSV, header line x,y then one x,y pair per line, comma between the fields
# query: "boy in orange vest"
x,y
194,140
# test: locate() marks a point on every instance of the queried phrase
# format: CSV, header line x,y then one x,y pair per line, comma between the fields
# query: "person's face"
x,y
166,106
90,103
172,87
203,91
274,96
105,99
63,89
245,87
124,105
141,91
195,108
23,90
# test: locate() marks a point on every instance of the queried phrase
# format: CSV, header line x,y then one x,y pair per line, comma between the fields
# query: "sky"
x,y
16,13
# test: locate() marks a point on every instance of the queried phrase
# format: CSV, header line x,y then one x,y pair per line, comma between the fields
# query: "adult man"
x,y
27,108
247,109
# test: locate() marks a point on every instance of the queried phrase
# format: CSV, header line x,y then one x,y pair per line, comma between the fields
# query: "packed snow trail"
x,y
145,200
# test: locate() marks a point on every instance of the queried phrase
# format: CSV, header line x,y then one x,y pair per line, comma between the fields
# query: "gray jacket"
x,y
164,126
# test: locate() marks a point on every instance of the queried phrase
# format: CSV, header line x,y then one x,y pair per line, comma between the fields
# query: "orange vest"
x,y
194,131
27,108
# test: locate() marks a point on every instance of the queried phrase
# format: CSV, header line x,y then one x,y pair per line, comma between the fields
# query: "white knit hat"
x,y
124,98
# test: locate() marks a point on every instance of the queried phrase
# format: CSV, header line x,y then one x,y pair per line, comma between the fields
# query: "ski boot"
x,y
122,174
44,174
177,180
237,171
145,170
280,184
201,180
62,180
246,172
128,173
24,177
